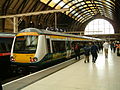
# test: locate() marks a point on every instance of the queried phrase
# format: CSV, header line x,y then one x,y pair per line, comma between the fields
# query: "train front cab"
x,y
24,50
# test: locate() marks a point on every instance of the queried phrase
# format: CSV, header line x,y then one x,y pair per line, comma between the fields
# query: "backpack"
x,y
76,47
87,51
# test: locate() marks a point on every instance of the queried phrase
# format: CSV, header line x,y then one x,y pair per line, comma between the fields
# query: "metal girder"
x,y
15,17
35,13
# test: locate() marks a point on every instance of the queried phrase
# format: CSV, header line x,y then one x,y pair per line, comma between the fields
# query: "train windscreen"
x,y
25,44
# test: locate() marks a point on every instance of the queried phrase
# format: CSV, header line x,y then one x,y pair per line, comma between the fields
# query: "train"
x,y
35,47
6,40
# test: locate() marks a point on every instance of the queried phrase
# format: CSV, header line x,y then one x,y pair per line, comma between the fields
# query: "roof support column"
x,y
15,24
1,20
55,21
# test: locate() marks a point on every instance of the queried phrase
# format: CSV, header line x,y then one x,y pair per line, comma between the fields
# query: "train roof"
x,y
43,31
7,34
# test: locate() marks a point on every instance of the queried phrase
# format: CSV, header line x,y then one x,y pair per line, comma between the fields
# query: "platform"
x,y
103,75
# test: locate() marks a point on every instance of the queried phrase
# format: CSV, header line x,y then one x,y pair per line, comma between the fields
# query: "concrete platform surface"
x,y
103,75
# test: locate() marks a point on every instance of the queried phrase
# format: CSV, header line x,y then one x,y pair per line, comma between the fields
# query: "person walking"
x,y
114,47
118,48
94,52
86,53
77,51
106,46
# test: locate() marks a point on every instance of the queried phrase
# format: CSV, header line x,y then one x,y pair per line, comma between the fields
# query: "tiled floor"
x,y
103,75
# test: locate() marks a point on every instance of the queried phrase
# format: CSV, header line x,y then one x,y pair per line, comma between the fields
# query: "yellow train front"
x,y
33,47
26,50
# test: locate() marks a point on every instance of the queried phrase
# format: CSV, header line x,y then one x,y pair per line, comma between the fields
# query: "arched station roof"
x,y
80,13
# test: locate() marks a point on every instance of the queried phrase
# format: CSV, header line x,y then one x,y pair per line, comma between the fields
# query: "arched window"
x,y
99,26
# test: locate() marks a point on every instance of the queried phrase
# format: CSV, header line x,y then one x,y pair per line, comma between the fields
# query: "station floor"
x,y
103,75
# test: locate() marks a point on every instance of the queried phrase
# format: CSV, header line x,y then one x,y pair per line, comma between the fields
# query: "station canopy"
x,y
80,12
83,10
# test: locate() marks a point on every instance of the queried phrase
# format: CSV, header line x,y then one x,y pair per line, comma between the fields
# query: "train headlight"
x,y
33,59
12,59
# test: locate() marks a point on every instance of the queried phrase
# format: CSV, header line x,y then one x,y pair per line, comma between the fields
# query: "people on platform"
x,y
112,46
106,47
94,49
118,48
77,51
86,53
94,52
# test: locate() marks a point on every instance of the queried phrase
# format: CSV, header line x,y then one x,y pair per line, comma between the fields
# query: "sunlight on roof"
x,y
56,1
61,4
99,26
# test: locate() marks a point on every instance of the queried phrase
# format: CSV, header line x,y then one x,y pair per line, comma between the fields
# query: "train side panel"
x,y
41,47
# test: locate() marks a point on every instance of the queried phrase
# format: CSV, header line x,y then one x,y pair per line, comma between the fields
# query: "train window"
x,y
48,45
58,46
8,46
27,44
2,47
5,44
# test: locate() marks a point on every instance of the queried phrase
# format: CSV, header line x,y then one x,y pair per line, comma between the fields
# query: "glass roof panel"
x,y
108,3
78,5
88,2
85,6
45,1
56,1
74,1
89,10
73,12
73,17
70,15
69,4
58,7
61,3
67,12
71,9
76,14
82,3
80,0
81,9
65,1
52,4
66,6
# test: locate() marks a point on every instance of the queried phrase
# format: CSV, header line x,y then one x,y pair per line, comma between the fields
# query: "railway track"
x,y
31,78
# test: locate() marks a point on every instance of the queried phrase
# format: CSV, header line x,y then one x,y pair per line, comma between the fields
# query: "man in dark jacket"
x,y
86,53
94,52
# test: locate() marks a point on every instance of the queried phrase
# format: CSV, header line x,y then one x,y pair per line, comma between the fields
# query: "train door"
x,y
48,46
68,49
